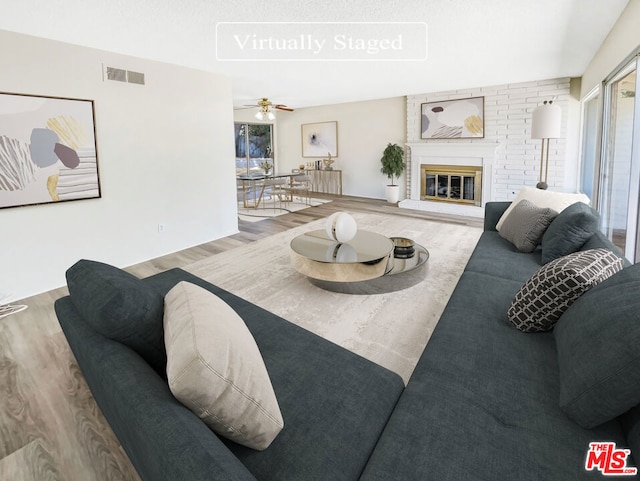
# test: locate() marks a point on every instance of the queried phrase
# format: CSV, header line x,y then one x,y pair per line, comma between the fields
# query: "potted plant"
x,y
392,167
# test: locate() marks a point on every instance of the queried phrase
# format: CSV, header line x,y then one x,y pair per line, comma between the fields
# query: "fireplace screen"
x,y
452,183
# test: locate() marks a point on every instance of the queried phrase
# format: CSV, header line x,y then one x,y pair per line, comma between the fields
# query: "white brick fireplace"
x,y
509,157
477,154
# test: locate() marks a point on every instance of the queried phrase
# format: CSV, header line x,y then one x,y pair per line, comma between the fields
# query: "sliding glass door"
x,y
619,178
589,145
254,145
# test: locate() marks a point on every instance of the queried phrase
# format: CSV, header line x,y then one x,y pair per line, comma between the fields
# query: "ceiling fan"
x,y
265,109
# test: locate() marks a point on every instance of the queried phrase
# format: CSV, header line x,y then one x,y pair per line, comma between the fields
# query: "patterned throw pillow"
x,y
556,285
526,224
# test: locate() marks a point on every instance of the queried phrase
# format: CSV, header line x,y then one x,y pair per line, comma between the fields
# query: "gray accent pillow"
x,y
526,224
569,231
555,286
121,307
598,343
557,201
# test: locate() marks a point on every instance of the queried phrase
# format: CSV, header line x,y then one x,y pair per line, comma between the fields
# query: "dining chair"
x,y
300,187
276,190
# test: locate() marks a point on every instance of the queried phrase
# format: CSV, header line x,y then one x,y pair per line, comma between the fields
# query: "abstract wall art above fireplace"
x,y
47,150
453,119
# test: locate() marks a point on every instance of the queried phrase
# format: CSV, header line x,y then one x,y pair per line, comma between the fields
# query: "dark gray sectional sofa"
x,y
482,403
335,404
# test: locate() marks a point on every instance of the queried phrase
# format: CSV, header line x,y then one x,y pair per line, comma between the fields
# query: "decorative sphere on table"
x,y
341,227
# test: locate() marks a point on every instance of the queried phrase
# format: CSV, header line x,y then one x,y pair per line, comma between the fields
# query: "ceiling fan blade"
x,y
265,103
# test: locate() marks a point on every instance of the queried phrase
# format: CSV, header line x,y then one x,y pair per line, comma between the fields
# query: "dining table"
x,y
253,187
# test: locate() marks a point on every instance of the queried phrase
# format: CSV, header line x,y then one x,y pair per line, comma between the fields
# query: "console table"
x,y
326,181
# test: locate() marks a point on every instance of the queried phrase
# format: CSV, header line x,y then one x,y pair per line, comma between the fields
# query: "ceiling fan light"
x,y
259,116
270,116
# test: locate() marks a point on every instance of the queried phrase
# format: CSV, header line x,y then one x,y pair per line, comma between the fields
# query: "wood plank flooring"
x,y
51,429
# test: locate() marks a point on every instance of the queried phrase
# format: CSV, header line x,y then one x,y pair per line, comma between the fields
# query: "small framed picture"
x,y
320,139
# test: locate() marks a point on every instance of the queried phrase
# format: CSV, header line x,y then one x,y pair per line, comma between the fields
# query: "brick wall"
x,y
507,120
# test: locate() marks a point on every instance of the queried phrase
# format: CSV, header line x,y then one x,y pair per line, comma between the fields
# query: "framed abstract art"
x,y
48,150
320,139
453,119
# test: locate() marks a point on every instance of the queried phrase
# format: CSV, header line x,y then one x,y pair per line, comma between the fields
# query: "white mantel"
x,y
448,153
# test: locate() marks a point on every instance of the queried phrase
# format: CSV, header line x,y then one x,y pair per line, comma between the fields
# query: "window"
x,y
253,146
618,194
610,156
589,144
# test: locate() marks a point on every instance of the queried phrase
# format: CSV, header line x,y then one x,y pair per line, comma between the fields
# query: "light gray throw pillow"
x,y
214,367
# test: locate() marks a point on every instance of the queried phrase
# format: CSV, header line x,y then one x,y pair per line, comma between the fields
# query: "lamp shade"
x,y
545,122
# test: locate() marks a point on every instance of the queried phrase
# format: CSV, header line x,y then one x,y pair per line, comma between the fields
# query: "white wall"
x,y
364,130
164,155
622,40
507,120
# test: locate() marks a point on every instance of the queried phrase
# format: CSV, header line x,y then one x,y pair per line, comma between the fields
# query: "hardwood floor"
x,y
50,425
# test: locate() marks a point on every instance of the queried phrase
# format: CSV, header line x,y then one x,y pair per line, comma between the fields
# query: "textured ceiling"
x,y
470,42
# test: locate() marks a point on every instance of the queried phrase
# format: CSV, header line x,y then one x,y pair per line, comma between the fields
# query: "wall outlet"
x,y
161,228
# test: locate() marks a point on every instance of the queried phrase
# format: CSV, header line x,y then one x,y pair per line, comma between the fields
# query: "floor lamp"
x,y
545,125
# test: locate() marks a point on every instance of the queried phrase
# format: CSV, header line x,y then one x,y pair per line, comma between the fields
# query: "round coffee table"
x,y
365,265
364,257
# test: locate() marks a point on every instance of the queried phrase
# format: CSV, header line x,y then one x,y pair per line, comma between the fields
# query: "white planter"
x,y
393,193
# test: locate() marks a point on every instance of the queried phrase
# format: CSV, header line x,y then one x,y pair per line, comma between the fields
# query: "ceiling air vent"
x,y
122,75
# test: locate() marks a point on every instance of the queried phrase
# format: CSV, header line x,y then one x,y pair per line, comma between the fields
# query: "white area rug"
x,y
267,210
390,329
